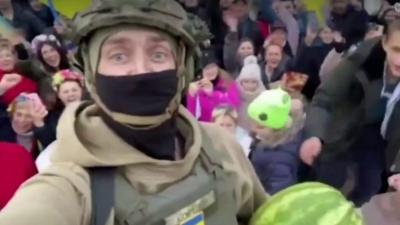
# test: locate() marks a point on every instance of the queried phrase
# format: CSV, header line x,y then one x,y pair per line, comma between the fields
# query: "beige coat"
x,y
382,209
61,195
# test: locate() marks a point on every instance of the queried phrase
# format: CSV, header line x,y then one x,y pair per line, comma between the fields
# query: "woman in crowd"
x,y
315,48
250,86
18,127
216,87
274,66
69,87
12,83
227,117
235,51
51,54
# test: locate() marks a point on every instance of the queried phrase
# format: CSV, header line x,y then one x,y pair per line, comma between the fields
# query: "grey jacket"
x,y
349,101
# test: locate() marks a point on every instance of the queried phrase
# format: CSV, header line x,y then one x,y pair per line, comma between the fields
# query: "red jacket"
x,y
26,85
16,166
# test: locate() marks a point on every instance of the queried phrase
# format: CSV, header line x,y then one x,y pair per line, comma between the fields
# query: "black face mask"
x,y
141,95
138,95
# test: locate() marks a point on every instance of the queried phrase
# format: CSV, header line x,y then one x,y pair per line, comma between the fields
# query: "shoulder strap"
x,y
102,188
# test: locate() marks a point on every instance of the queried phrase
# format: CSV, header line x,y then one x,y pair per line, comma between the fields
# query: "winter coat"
x,y
309,61
350,100
331,60
382,209
7,134
16,166
31,69
352,25
45,15
47,134
232,62
62,193
276,160
246,98
25,85
278,73
207,103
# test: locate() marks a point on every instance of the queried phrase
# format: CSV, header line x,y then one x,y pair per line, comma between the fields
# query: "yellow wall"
x,y
69,7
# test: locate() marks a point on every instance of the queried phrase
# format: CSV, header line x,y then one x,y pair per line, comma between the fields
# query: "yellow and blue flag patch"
x,y
197,219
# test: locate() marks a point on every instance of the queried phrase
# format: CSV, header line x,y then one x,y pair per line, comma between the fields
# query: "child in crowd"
x,y
279,122
227,117
250,86
216,87
12,83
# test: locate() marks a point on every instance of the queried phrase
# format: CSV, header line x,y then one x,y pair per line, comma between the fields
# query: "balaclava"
x,y
123,98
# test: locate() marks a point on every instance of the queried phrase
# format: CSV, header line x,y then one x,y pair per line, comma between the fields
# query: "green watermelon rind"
x,y
284,201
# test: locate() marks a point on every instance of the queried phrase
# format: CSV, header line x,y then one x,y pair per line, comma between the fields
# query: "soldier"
x,y
136,156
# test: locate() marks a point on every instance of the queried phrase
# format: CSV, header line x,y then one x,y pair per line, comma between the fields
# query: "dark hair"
x,y
246,39
391,27
64,63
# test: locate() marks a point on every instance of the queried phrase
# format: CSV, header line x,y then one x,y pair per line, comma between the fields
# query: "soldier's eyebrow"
x,y
116,41
157,39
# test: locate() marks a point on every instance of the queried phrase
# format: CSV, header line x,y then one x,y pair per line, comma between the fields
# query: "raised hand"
x,y
9,81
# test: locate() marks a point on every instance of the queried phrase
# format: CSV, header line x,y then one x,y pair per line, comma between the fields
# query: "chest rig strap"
x,y
112,191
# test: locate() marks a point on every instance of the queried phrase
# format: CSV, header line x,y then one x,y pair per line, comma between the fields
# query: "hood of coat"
x,y
83,138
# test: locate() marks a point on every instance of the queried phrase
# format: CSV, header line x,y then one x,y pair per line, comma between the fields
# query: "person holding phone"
x,y
216,87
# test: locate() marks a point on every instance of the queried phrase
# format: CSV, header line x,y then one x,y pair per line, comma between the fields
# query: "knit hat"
x,y
271,109
251,69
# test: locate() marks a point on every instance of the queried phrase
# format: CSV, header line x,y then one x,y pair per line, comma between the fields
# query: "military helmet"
x,y
164,15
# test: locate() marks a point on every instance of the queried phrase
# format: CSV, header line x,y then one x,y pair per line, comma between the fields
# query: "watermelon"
x,y
307,204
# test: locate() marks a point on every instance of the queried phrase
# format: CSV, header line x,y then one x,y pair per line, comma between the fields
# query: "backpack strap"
x,y
102,189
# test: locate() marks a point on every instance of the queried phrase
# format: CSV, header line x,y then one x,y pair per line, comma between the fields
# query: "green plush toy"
x,y
271,109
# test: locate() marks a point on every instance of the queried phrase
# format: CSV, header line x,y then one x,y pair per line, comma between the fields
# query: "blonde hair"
x,y
225,110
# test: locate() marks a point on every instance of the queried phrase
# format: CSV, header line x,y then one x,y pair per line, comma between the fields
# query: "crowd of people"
x,y
307,99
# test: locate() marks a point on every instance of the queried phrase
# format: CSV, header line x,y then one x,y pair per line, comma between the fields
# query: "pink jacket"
x,y
208,102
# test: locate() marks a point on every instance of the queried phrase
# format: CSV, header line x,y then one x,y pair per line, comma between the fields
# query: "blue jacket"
x,y
277,167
